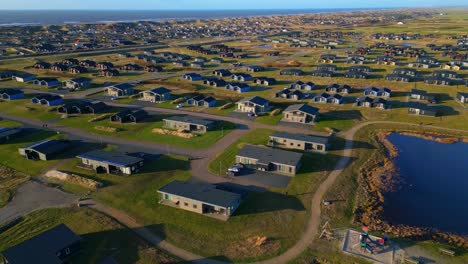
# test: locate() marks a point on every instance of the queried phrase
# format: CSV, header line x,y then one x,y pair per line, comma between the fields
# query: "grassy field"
x,y
9,181
24,108
143,131
102,236
279,215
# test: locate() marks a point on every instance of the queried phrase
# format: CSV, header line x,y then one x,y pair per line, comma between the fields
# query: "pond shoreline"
x,y
379,175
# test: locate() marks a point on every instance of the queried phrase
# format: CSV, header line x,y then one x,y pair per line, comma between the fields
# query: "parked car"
x,y
180,106
235,169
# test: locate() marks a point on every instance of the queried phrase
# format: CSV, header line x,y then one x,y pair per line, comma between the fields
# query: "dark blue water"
x,y
435,192
58,17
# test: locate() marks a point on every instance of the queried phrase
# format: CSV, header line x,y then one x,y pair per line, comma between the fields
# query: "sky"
x,y
219,4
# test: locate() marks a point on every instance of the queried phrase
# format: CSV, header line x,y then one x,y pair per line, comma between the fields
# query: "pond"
x,y
434,192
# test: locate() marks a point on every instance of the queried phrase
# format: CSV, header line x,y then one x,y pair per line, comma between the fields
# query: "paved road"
x,y
32,196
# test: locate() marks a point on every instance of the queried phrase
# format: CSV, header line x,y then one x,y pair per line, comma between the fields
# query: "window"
x,y
292,144
194,206
185,204
67,251
290,169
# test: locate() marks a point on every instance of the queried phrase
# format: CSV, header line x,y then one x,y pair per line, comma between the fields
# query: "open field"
x,y
103,236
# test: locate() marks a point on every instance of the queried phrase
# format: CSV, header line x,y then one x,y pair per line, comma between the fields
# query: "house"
x,y
192,76
356,75
214,82
129,116
6,133
5,75
327,67
77,83
462,97
11,94
111,162
270,159
23,77
41,65
122,89
238,87
299,141
78,107
291,72
365,69
301,113
254,68
105,65
264,81
445,74
200,198
369,102
192,124
59,67
241,77
48,82
197,64
420,109
393,77
217,60
95,107
438,80
327,98
377,91
153,68
202,100
255,105
77,70
323,73
406,71
290,94
308,86
336,88
422,95
222,73
156,95
88,63
130,67
44,150
52,246
108,73
47,99
71,61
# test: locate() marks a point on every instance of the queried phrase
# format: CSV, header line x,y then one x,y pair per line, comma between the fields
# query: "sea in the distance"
x,y
60,17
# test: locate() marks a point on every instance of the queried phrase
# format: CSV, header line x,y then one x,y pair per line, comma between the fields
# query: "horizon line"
x,y
239,9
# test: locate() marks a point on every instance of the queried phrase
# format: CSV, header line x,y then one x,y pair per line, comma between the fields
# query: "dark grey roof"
x,y
5,132
302,137
111,157
202,192
256,100
266,155
123,86
10,91
80,80
48,146
160,90
43,247
303,108
190,120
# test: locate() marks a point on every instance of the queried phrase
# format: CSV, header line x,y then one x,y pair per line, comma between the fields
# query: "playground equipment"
x,y
368,244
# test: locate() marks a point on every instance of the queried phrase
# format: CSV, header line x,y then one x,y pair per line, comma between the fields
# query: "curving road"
x,y
199,167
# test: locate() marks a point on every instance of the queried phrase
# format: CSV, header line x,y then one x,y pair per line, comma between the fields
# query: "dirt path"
x,y
199,167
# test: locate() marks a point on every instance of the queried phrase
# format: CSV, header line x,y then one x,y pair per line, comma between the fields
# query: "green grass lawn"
x,y
143,131
24,108
102,236
10,157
